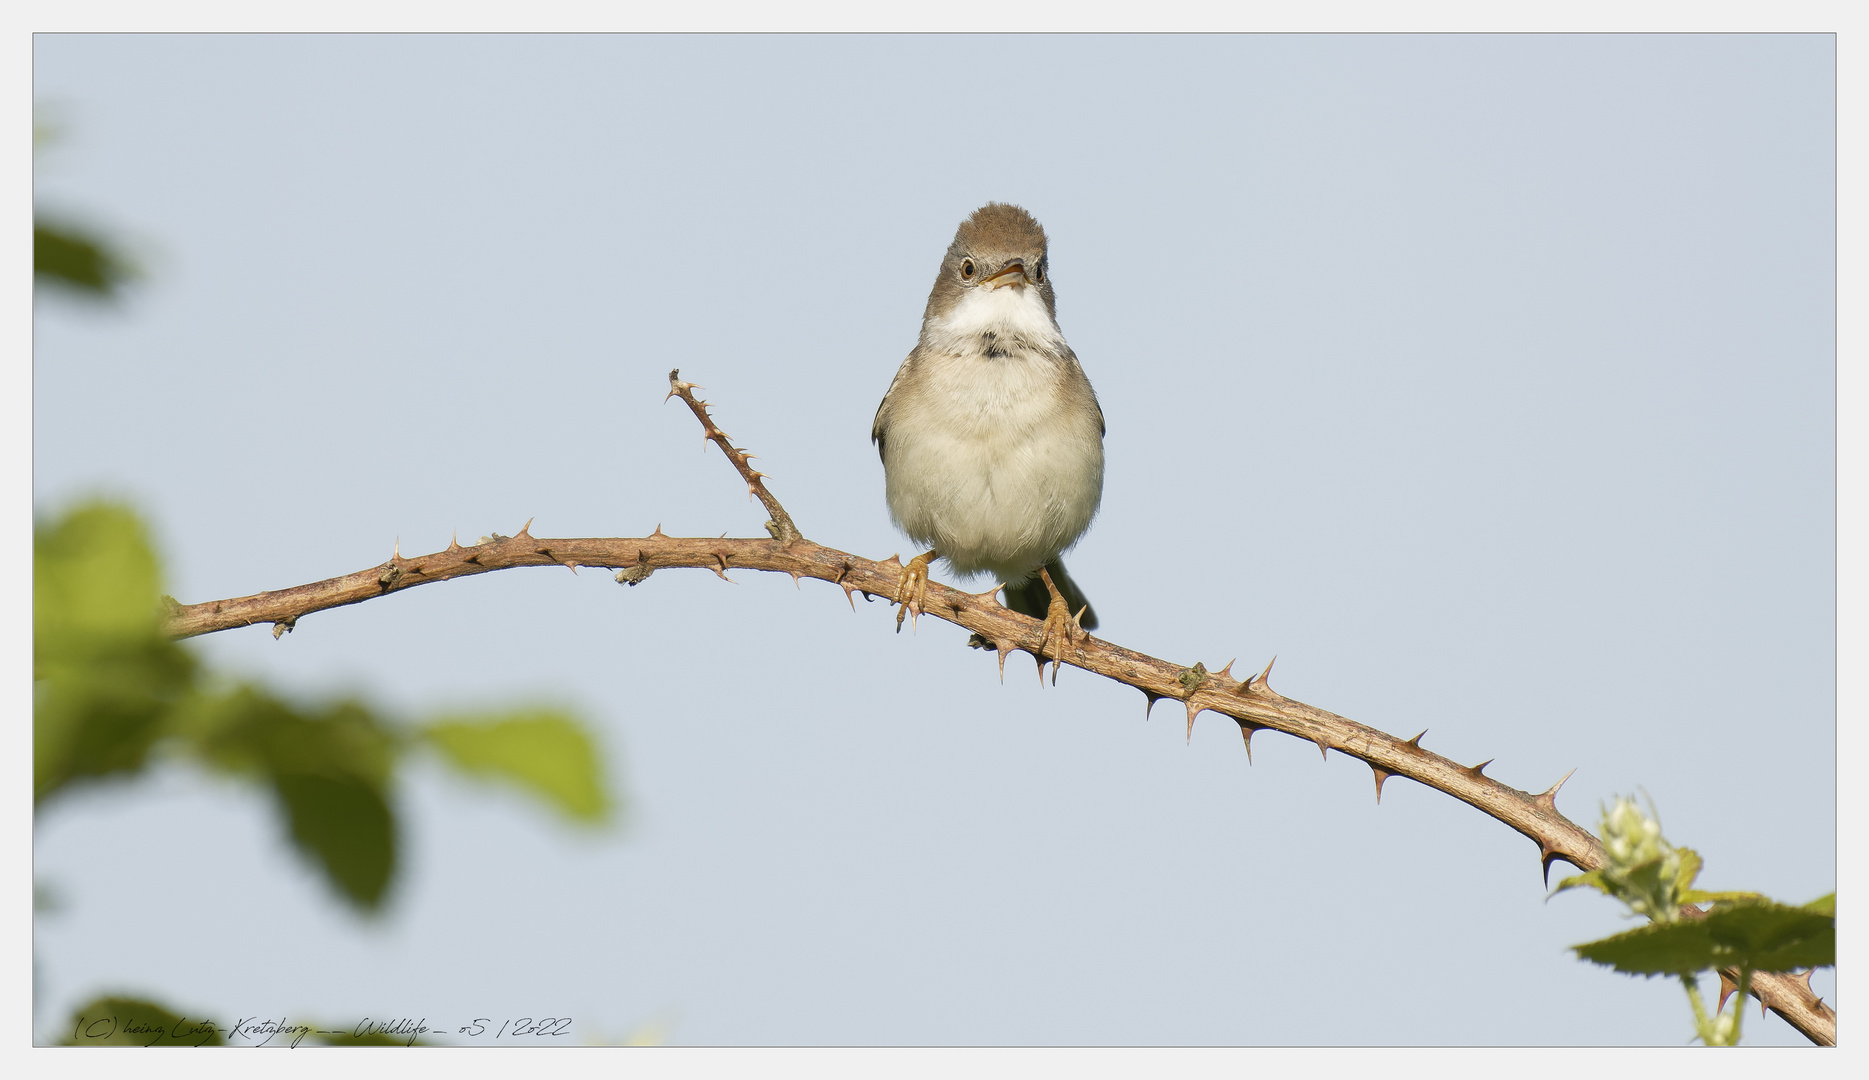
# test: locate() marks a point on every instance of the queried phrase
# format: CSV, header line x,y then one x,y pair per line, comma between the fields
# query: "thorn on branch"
x,y
1004,648
1149,699
1193,711
1548,800
1478,771
1261,681
1246,731
1548,855
1416,741
1381,776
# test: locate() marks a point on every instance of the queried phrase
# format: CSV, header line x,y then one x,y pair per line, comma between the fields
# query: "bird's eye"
x,y
1038,273
966,269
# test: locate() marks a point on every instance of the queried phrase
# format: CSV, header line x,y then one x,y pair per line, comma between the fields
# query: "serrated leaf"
x,y
1768,936
1677,948
1697,896
1592,879
128,1021
1763,936
545,753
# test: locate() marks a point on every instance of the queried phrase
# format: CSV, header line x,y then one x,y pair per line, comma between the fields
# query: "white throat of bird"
x,y
1015,315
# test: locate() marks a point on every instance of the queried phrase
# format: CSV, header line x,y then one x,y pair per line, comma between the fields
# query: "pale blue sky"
x,y
1488,382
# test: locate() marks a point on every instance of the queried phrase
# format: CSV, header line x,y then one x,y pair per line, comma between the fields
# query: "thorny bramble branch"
x,y
1251,703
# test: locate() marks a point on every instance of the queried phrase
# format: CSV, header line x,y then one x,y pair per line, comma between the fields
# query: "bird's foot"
x,y
912,587
1060,624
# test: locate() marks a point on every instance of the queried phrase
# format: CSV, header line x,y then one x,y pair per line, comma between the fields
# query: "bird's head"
x,y
995,276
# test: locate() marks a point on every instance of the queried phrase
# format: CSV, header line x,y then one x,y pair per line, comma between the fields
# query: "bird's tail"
x,y
1030,598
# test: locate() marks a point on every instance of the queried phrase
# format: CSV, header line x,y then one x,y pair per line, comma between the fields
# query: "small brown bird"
x,y
990,435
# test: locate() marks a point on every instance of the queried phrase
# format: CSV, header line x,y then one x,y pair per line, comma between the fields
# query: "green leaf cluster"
x,y
111,691
1742,931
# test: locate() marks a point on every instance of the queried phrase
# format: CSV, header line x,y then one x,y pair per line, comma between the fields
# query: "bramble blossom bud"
x,y
1631,837
1643,870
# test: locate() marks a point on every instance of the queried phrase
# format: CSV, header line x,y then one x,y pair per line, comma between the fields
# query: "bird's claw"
x,y
911,588
1059,622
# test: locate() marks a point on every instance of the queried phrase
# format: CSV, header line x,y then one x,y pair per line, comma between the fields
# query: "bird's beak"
x,y
1013,273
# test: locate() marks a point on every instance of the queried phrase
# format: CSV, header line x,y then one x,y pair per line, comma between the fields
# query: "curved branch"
x,y
1251,703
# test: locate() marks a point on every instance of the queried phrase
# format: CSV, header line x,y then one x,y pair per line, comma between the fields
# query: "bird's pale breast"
x,y
998,463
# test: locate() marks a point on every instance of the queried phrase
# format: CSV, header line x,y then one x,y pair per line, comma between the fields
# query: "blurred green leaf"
x,y
108,686
1824,905
1760,935
127,1021
248,730
103,672
69,256
545,753
330,768
347,826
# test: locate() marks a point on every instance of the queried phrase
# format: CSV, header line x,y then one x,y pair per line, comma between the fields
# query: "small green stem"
x,y
1701,1025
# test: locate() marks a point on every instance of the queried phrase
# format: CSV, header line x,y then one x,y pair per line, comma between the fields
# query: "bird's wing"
x,y
879,428
1103,428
